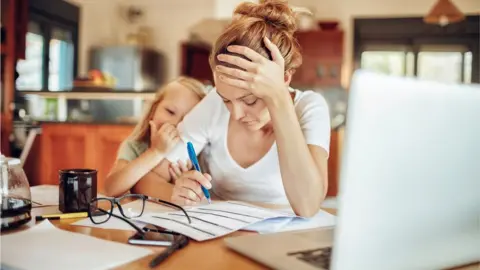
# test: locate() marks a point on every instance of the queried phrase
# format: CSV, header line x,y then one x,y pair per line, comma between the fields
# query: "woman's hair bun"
x,y
274,12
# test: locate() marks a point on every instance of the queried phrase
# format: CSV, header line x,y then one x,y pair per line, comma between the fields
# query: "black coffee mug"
x,y
77,188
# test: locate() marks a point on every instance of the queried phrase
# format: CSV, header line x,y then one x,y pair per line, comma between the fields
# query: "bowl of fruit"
x,y
94,81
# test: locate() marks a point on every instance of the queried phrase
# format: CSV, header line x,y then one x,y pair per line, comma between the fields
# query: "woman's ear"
x,y
288,76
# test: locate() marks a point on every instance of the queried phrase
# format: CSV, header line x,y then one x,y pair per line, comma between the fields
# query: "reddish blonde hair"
x,y
252,22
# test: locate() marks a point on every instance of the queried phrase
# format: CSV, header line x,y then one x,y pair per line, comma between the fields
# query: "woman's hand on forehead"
x,y
262,77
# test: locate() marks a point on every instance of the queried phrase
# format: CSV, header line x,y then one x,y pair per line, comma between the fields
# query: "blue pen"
x,y
193,159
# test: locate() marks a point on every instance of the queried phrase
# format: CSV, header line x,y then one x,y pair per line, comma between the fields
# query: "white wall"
x,y
224,8
171,20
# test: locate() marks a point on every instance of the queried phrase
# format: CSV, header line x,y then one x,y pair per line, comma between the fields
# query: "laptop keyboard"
x,y
319,258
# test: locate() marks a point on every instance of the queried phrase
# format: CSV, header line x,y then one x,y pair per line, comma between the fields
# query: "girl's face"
x,y
244,107
177,101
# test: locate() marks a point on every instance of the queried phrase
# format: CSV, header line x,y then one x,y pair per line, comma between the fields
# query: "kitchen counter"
x,y
93,95
73,122
94,145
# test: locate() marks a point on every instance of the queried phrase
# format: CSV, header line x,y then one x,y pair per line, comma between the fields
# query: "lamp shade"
x,y
443,13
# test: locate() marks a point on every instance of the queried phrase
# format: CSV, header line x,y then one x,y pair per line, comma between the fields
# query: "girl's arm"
x,y
125,175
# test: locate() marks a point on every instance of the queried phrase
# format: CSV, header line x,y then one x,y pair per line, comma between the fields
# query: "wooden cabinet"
x,y
195,62
322,53
333,164
107,140
65,146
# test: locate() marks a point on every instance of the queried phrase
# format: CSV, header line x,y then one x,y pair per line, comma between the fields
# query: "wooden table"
x,y
212,254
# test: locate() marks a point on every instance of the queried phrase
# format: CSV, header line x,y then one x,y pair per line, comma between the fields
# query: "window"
x,y
29,69
440,66
467,75
51,45
60,70
398,63
439,63
410,47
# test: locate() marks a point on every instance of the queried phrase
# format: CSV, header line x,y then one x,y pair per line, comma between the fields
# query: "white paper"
x,y
46,247
321,220
47,195
118,224
44,195
212,221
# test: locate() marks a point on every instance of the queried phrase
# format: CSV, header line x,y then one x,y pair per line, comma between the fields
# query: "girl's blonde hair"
x,y
141,133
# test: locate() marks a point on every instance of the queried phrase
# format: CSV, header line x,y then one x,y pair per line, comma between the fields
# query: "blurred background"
x,y
76,75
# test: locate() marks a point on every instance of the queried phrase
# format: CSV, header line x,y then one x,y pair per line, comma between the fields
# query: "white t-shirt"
x,y
206,127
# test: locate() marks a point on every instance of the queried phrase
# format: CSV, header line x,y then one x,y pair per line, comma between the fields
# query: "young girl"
x,y
153,137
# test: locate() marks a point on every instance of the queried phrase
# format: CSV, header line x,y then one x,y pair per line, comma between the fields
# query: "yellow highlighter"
x,y
62,216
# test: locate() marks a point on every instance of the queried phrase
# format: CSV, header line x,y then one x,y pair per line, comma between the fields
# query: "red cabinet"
x,y
322,53
66,146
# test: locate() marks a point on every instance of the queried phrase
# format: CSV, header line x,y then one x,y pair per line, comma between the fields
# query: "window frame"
x,y
51,14
413,33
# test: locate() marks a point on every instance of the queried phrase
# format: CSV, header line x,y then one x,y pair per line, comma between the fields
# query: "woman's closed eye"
x,y
250,102
171,112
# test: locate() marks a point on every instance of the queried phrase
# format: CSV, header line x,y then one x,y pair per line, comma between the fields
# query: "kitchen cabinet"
x,y
67,146
333,164
195,62
322,53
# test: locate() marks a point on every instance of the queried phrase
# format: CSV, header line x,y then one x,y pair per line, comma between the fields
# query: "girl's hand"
x,y
262,77
164,139
176,170
187,189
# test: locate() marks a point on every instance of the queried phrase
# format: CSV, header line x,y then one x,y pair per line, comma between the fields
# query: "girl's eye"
x,y
226,101
170,112
251,103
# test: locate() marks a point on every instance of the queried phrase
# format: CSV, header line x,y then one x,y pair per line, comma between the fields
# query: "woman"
x,y
261,140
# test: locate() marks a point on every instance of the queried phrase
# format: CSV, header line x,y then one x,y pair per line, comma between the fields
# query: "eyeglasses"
x,y
101,209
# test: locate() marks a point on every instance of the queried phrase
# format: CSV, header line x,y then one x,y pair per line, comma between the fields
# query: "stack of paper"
x,y
46,247
282,224
214,220
218,219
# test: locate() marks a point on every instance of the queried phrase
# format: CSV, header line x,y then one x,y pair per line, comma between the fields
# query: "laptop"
x,y
409,185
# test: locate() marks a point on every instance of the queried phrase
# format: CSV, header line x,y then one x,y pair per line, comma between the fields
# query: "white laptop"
x,y
409,185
